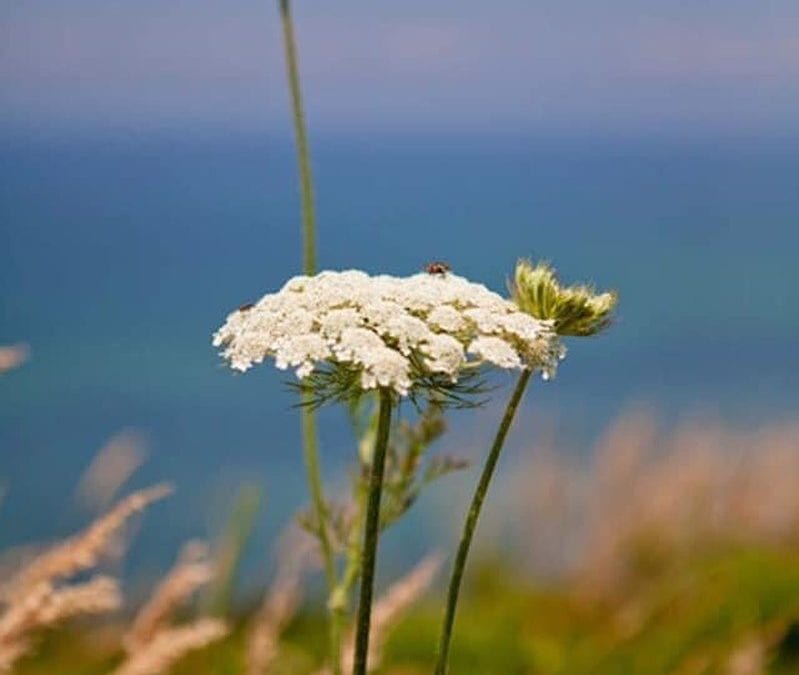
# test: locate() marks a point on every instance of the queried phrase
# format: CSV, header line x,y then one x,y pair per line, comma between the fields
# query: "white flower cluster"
x,y
378,324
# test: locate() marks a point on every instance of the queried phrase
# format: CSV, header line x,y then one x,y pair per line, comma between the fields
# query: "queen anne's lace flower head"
x,y
392,331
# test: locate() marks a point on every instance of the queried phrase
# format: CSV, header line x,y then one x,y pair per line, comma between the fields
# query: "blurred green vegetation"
x,y
729,611
673,552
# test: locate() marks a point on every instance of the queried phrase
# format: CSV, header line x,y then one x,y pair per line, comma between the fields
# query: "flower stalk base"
x,y
371,534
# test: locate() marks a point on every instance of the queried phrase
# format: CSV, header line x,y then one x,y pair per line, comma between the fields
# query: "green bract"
x,y
575,310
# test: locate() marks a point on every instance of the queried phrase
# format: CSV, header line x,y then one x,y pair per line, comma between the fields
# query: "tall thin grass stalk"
x,y
82,551
309,433
191,571
280,603
170,645
231,547
442,657
301,136
371,534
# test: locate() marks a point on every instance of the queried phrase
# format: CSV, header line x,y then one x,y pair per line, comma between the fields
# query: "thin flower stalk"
x,y
390,607
301,137
308,414
472,517
319,508
338,601
572,311
371,535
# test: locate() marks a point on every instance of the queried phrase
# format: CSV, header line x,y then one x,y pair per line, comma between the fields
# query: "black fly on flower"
x,y
437,267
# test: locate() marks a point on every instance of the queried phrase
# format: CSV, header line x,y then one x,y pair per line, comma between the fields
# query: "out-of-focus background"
x,y
148,187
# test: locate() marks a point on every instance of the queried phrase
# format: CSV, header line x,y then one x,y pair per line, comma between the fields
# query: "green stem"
x,y
301,135
309,434
371,534
314,477
469,526
339,600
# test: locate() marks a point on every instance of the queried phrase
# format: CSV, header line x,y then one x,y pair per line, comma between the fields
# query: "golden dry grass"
x,y
280,603
13,356
647,498
169,645
191,571
37,595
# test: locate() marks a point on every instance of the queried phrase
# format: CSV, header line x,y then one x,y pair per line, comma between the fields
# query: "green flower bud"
x,y
574,310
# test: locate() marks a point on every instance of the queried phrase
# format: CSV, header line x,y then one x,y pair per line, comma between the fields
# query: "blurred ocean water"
x,y
119,257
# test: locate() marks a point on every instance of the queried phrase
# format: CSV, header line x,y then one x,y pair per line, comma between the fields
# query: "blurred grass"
x,y
682,558
698,620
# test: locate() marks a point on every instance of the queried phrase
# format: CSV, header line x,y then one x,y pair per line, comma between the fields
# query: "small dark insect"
x,y
246,306
437,267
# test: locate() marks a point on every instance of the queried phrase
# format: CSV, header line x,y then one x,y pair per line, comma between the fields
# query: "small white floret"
x,y
496,351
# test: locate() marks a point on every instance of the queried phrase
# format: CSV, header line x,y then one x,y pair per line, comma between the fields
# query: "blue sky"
x,y
563,65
